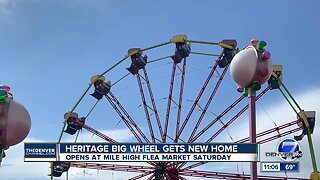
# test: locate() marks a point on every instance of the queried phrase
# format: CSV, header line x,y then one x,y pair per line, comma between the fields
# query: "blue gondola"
x,y
101,88
273,81
74,123
228,54
59,167
311,120
183,51
138,61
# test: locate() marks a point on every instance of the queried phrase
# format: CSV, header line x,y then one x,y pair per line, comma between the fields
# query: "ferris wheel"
x,y
185,114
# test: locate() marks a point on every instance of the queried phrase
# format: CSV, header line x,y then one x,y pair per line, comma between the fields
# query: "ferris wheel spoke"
x,y
174,67
153,102
113,167
191,166
182,178
103,136
209,174
198,98
145,106
236,116
129,117
173,176
220,175
181,96
229,122
278,128
273,137
279,135
165,177
99,134
124,119
152,176
171,165
217,118
224,113
208,103
141,175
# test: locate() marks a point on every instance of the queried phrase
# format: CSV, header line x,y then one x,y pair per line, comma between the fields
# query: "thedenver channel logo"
x,y
39,150
287,149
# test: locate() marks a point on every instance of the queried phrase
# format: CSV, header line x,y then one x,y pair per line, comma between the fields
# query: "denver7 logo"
x,y
289,150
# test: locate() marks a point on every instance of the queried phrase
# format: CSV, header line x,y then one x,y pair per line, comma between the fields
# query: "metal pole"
x,y
51,176
314,164
252,129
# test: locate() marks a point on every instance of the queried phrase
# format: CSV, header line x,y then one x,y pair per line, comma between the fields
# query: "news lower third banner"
x,y
125,152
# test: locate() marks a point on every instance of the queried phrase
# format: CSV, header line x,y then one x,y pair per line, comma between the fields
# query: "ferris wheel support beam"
x,y
153,101
145,108
198,98
174,67
208,102
253,129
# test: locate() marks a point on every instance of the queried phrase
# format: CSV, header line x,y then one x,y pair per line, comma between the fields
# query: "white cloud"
x,y
13,166
6,6
2,2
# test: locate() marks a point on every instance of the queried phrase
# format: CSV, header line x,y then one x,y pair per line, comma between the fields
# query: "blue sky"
x,y
50,49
